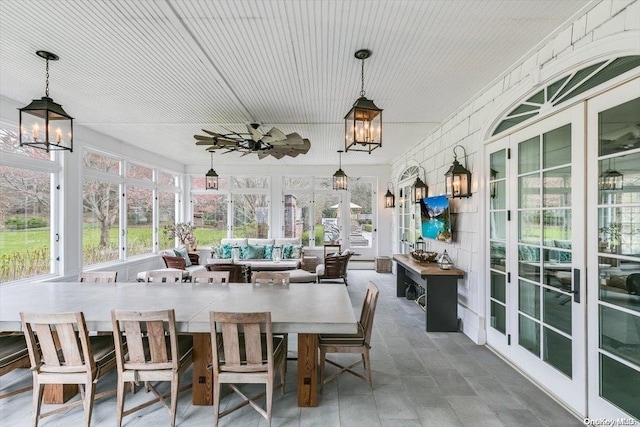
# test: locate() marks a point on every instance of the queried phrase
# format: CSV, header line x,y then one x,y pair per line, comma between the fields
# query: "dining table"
x,y
307,309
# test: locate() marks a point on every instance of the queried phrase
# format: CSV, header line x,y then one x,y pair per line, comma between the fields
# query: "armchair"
x,y
334,267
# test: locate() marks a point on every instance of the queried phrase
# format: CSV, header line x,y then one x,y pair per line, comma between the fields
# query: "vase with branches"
x,y
183,231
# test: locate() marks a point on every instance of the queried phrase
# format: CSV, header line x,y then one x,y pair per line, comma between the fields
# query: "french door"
x,y
537,259
613,232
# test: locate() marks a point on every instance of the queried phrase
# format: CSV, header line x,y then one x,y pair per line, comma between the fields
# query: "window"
x,y
250,202
361,214
166,216
139,220
100,218
25,236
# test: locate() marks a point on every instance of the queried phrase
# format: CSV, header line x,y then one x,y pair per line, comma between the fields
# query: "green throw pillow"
x,y
268,251
182,252
286,251
255,252
244,252
225,251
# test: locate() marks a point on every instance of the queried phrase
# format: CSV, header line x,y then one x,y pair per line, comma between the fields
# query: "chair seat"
x,y
343,339
12,348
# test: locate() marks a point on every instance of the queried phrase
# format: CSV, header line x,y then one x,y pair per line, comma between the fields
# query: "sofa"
x,y
259,253
177,259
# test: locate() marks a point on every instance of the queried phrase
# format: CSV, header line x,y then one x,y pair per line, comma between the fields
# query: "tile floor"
x,y
420,379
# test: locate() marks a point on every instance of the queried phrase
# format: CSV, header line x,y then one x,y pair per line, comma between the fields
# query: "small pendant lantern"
x,y
340,178
211,178
445,261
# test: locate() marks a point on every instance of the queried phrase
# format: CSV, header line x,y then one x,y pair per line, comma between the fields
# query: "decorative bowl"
x,y
424,256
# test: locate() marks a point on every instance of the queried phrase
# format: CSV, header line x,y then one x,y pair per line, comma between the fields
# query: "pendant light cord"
x,y
46,89
362,93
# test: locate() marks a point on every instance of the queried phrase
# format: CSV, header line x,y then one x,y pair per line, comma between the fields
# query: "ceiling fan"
x,y
273,143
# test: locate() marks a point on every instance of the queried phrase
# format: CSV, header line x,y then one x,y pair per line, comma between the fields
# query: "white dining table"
x,y
304,308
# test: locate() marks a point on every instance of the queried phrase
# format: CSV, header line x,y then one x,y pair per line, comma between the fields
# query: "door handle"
x,y
576,285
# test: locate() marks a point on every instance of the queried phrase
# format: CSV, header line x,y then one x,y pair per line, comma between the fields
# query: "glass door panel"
x,y
614,246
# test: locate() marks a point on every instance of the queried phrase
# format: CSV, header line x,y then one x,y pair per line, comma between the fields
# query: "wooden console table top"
x,y
425,269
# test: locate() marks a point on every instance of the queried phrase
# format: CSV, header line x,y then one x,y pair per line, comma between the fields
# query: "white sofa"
x,y
171,261
261,263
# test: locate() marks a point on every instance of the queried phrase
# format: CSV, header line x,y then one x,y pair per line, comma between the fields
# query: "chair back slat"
x,y
157,341
47,344
69,344
253,343
210,277
231,344
98,276
277,278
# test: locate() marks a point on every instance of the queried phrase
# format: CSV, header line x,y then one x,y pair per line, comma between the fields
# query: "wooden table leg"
x,y
202,393
307,370
57,394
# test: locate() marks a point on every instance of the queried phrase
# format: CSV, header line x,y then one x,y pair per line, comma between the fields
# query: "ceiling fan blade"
x,y
255,134
263,154
216,134
274,135
203,137
291,139
205,143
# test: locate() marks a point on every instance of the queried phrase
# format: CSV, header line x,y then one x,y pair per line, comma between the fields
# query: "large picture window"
x,y
25,209
100,216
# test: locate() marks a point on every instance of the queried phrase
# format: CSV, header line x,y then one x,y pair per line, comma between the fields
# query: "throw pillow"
x,y
286,251
244,252
225,251
182,252
296,252
528,253
268,251
255,252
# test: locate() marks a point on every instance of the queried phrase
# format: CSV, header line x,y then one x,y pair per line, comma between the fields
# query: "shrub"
x,y
22,223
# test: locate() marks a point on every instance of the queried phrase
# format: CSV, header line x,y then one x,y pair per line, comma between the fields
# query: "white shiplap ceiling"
x,y
154,72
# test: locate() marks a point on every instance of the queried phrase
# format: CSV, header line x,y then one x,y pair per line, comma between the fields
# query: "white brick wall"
x,y
468,125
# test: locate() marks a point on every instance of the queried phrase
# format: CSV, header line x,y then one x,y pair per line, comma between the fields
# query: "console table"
x,y
441,303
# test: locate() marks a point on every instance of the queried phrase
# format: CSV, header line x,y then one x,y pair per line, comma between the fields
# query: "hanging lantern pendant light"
x,y
340,178
211,178
363,123
389,198
43,123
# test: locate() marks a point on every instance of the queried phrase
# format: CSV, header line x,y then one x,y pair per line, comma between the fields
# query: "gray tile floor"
x,y
420,379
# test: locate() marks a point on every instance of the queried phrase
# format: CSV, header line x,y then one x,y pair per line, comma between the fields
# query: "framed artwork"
x,y
436,218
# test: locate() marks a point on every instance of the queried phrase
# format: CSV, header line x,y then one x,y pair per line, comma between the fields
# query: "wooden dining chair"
x,y
276,278
62,352
162,276
245,351
360,342
210,277
236,271
154,352
98,276
13,355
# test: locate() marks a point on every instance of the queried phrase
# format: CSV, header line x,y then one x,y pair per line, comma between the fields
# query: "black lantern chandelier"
x,y
457,180
43,123
420,189
389,198
363,123
340,178
211,178
611,179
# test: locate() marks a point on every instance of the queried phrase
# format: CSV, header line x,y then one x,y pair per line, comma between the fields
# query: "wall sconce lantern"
x,y
457,180
211,178
389,198
420,189
611,179
43,123
401,200
340,178
363,123
493,185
